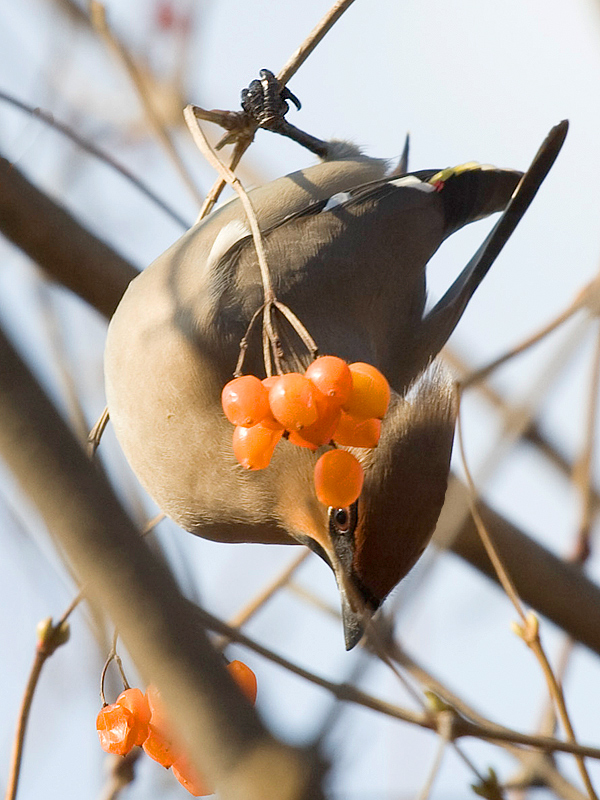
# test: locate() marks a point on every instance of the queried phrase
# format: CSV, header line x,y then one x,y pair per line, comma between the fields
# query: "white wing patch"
x,y
336,200
412,180
224,240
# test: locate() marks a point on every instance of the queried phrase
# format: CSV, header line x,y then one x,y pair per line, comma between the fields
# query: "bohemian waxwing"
x,y
347,248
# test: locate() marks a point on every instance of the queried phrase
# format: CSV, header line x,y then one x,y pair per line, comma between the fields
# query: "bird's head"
x,y
374,543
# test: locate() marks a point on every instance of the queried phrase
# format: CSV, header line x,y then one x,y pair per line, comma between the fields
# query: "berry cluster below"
x,y
332,403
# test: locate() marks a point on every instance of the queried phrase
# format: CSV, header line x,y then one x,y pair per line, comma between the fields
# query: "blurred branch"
x,y
140,83
587,298
531,433
65,250
462,726
121,772
221,729
95,151
573,603
536,766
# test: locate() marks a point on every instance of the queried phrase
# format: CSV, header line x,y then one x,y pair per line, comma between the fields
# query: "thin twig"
x,y
289,69
532,433
230,177
312,40
583,470
582,477
100,23
267,592
112,656
50,637
503,576
347,693
534,765
529,631
270,301
434,769
97,152
483,372
152,523
559,700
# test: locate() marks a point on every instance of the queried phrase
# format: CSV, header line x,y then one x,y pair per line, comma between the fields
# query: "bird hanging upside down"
x,y
347,246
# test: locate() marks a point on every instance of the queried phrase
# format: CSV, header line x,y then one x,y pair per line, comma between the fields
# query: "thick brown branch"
x,y
65,250
222,731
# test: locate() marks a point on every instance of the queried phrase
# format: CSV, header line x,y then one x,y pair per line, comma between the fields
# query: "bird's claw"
x,y
265,100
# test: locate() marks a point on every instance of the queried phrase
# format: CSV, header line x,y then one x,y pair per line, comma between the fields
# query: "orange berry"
x,y
160,747
253,447
116,729
189,777
296,439
338,478
370,395
159,743
245,401
321,431
292,401
332,377
269,421
352,432
245,679
135,701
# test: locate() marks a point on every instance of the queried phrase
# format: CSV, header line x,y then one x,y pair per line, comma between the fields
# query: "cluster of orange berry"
x,y
139,719
332,402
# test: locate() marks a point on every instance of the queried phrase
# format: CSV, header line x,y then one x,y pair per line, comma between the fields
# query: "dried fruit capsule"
x,y
253,447
245,401
338,478
160,747
116,729
332,377
352,432
159,743
245,679
189,777
134,700
370,395
292,401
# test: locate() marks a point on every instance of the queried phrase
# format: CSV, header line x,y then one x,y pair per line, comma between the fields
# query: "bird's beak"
x,y
355,611
353,622
338,554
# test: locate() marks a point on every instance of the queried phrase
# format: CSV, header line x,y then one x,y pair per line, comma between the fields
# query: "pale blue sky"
x,y
470,80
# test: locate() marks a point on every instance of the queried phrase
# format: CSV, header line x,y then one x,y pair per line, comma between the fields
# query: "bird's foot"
x,y
266,102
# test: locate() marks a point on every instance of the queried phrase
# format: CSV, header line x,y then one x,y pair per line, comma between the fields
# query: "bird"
x,y
347,242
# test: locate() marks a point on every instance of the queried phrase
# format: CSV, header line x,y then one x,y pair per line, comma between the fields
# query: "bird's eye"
x,y
342,520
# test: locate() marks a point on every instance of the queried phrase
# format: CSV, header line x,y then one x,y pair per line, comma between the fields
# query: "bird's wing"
x,y
352,265
443,318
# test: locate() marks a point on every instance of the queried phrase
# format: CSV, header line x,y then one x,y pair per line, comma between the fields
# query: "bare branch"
x,y
221,729
65,250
